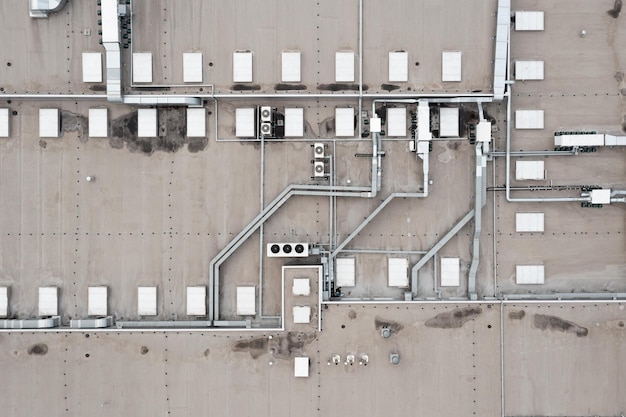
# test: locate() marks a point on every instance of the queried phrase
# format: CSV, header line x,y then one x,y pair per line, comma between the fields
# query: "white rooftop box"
x,y
449,122
245,123
242,67
529,222
4,123
344,67
301,367
97,301
147,123
451,66
196,122
529,274
528,20
4,301
92,67
196,301
396,122
529,119
246,301
483,131
48,301
49,123
301,286
291,67
344,272
529,70
601,196
399,66
98,123
192,67
294,122
450,272
110,21
142,67
344,122
301,314
147,301
529,170
398,272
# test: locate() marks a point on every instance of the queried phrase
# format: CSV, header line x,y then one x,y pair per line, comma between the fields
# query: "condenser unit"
x,y
266,114
318,169
318,150
287,250
266,128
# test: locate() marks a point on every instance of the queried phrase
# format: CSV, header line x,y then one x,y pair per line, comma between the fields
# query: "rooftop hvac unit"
x,y
266,114
287,250
266,128
318,169
318,150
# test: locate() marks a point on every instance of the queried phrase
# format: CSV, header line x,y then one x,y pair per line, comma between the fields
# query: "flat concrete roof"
x,y
156,211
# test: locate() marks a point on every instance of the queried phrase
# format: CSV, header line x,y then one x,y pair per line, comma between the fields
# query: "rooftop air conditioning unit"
x,y
318,169
287,250
266,128
318,150
266,114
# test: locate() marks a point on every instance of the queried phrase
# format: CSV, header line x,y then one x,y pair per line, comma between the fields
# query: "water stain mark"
x,y
454,319
144,350
619,76
98,87
256,347
171,133
394,326
245,87
286,87
72,122
281,347
352,314
517,315
544,322
341,87
389,87
43,144
39,349
616,10
207,352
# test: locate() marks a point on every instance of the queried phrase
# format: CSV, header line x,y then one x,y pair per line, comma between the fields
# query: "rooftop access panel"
x,y
147,123
396,122
450,272
344,121
92,67
245,122
5,128
294,122
192,67
398,66
196,122
449,122
98,123
451,66
344,67
242,67
529,222
291,66
529,119
49,123
142,67
528,20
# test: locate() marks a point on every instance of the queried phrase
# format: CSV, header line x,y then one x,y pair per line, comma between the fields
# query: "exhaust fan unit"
x,y
266,128
318,150
266,114
287,250
318,169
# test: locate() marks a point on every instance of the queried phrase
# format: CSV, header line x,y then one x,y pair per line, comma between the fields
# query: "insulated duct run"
x,y
41,8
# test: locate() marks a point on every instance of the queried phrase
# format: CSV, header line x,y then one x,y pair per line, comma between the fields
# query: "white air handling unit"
x,y
287,250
